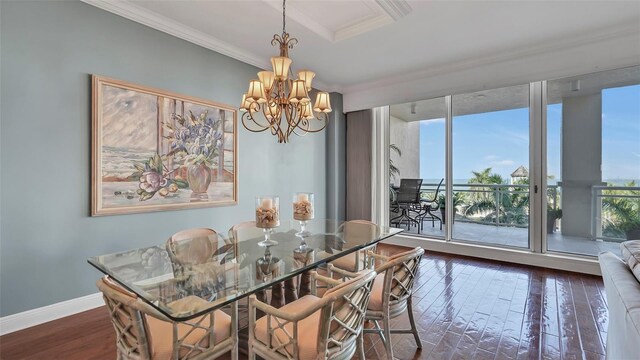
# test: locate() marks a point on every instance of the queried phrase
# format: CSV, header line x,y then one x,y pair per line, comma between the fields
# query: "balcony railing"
x,y
614,210
606,224
501,198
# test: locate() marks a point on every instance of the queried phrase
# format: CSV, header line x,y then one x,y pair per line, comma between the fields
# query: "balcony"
x,y
498,214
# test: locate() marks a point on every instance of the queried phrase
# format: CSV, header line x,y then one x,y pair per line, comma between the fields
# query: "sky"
x,y
500,140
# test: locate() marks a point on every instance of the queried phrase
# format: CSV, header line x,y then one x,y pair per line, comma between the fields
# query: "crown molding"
x,y
388,12
302,19
156,21
362,27
623,30
151,19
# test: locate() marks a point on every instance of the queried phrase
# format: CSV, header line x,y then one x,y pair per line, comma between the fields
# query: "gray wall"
x,y
49,49
406,136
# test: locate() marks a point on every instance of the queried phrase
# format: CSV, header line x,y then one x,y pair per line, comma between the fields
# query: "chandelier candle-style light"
x,y
276,96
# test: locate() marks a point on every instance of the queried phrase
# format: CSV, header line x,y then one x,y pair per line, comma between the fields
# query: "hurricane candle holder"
x,y
267,217
303,211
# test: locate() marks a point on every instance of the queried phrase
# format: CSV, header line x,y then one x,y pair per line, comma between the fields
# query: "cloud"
x,y
505,162
516,137
497,161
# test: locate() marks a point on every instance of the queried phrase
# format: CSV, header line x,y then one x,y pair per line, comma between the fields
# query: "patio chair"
x,y
408,200
428,209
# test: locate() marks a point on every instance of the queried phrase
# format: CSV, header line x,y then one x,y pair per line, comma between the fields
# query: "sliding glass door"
x,y
593,161
417,151
491,166
550,166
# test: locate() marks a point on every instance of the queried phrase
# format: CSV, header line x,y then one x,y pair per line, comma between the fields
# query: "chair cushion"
x,y
308,329
631,255
375,302
161,333
347,262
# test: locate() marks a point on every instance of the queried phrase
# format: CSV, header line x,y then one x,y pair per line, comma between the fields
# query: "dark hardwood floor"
x,y
465,309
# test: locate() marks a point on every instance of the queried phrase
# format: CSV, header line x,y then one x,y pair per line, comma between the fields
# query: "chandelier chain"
x,y
284,18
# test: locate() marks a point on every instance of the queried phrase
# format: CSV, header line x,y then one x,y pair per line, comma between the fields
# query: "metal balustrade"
x,y
600,215
496,192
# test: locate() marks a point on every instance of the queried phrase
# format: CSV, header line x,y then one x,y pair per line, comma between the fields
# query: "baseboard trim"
x,y
550,261
41,315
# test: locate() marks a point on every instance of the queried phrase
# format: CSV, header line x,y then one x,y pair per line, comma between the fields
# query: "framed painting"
x,y
153,150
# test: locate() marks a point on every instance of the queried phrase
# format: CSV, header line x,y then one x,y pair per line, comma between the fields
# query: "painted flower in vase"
x,y
154,178
196,142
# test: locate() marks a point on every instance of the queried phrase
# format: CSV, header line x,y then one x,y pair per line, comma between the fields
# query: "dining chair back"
x,y
329,327
399,275
233,232
191,247
353,233
143,333
391,295
344,319
126,314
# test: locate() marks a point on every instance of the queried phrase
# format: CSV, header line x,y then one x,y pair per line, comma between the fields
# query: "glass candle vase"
x,y
303,210
267,217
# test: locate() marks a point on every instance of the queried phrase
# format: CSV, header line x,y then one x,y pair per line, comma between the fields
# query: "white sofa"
x,y
623,297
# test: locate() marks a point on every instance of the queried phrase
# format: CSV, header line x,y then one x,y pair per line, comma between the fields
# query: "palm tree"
x,y
499,204
485,177
393,170
620,215
479,193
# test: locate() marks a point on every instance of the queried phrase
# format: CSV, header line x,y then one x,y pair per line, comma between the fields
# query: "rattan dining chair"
x,y
234,237
391,294
143,333
354,231
191,247
327,327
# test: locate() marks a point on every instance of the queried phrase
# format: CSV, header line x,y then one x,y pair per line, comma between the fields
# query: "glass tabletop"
x,y
199,271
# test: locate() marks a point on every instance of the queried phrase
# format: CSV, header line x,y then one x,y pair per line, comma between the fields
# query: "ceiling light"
x,y
278,96
575,85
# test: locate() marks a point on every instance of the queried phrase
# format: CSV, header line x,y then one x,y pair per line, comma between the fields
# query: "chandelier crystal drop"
x,y
278,102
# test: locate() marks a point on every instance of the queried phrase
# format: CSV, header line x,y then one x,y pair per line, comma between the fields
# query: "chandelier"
x,y
278,102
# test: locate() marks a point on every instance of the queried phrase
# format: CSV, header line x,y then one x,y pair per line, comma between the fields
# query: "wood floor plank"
x,y
465,308
571,346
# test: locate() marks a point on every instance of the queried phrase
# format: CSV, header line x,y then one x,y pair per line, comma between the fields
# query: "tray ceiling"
x,y
352,43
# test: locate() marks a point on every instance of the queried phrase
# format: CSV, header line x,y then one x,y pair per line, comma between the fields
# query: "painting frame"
x,y
98,207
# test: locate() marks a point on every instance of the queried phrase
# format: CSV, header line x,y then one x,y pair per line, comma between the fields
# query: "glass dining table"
x,y
239,266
